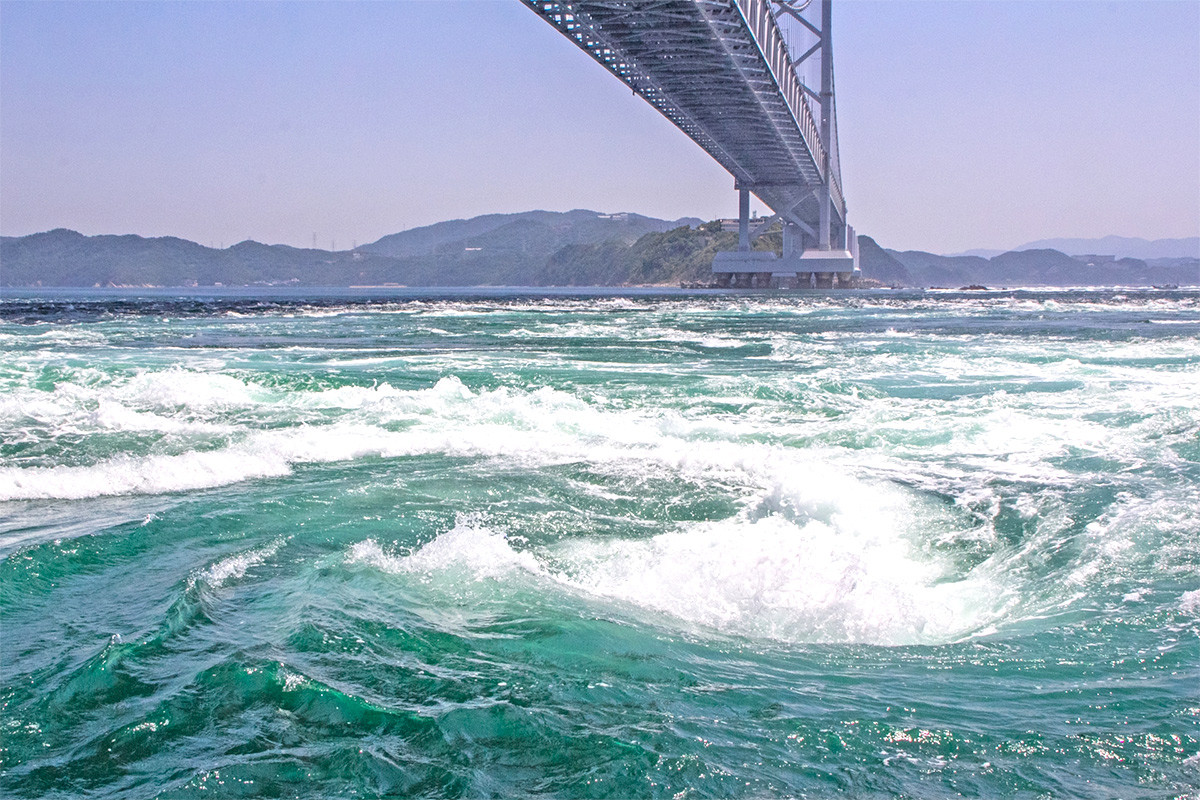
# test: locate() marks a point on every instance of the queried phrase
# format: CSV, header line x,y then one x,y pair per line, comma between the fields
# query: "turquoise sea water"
x,y
865,545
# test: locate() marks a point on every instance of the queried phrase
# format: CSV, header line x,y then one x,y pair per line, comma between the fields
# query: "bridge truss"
x,y
722,71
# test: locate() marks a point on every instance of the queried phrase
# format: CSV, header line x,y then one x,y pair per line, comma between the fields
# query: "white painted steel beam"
x,y
721,72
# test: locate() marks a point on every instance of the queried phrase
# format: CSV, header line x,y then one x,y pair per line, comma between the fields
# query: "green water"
x,y
866,545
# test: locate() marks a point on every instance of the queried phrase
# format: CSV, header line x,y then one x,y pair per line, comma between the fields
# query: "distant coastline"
x,y
572,249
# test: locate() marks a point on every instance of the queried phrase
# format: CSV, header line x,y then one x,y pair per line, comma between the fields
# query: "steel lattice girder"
x,y
720,71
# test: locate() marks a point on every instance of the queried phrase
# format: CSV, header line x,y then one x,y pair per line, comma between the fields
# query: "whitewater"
x,y
652,544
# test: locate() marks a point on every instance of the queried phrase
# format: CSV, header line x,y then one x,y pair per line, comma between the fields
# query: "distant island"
x,y
546,248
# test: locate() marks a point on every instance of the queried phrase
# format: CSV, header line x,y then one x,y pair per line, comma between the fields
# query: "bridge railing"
x,y
760,20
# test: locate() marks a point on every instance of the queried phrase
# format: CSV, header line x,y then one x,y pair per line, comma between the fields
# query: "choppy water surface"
x,y
681,546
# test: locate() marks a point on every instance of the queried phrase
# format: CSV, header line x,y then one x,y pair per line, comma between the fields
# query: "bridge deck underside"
x,y
699,64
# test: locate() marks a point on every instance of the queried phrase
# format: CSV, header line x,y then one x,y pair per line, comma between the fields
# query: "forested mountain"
x,y
1122,247
1039,268
537,248
494,250
551,230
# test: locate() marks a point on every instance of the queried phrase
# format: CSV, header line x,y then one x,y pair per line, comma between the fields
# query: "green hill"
x,y
536,248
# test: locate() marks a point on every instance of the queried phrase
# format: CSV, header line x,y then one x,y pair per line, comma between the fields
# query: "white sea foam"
x,y
1189,602
180,388
112,415
993,434
776,579
235,566
820,553
546,426
140,475
171,401
768,578
825,547
470,549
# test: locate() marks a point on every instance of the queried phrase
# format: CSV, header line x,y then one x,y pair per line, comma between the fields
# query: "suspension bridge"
x,y
735,75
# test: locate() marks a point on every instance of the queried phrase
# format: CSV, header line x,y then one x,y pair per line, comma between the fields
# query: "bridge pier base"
x,y
751,269
744,280
799,280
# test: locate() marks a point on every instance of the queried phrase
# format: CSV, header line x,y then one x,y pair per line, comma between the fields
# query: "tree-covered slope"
x,y
538,248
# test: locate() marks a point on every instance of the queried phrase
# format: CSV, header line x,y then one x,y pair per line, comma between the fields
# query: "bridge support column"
x,y
824,241
790,234
826,119
743,220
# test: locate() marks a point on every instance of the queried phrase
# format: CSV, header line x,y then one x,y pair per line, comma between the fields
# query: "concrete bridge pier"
x,y
748,280
744,268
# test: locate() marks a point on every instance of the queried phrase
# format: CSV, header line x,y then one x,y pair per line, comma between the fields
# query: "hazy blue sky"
x,y
963,124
